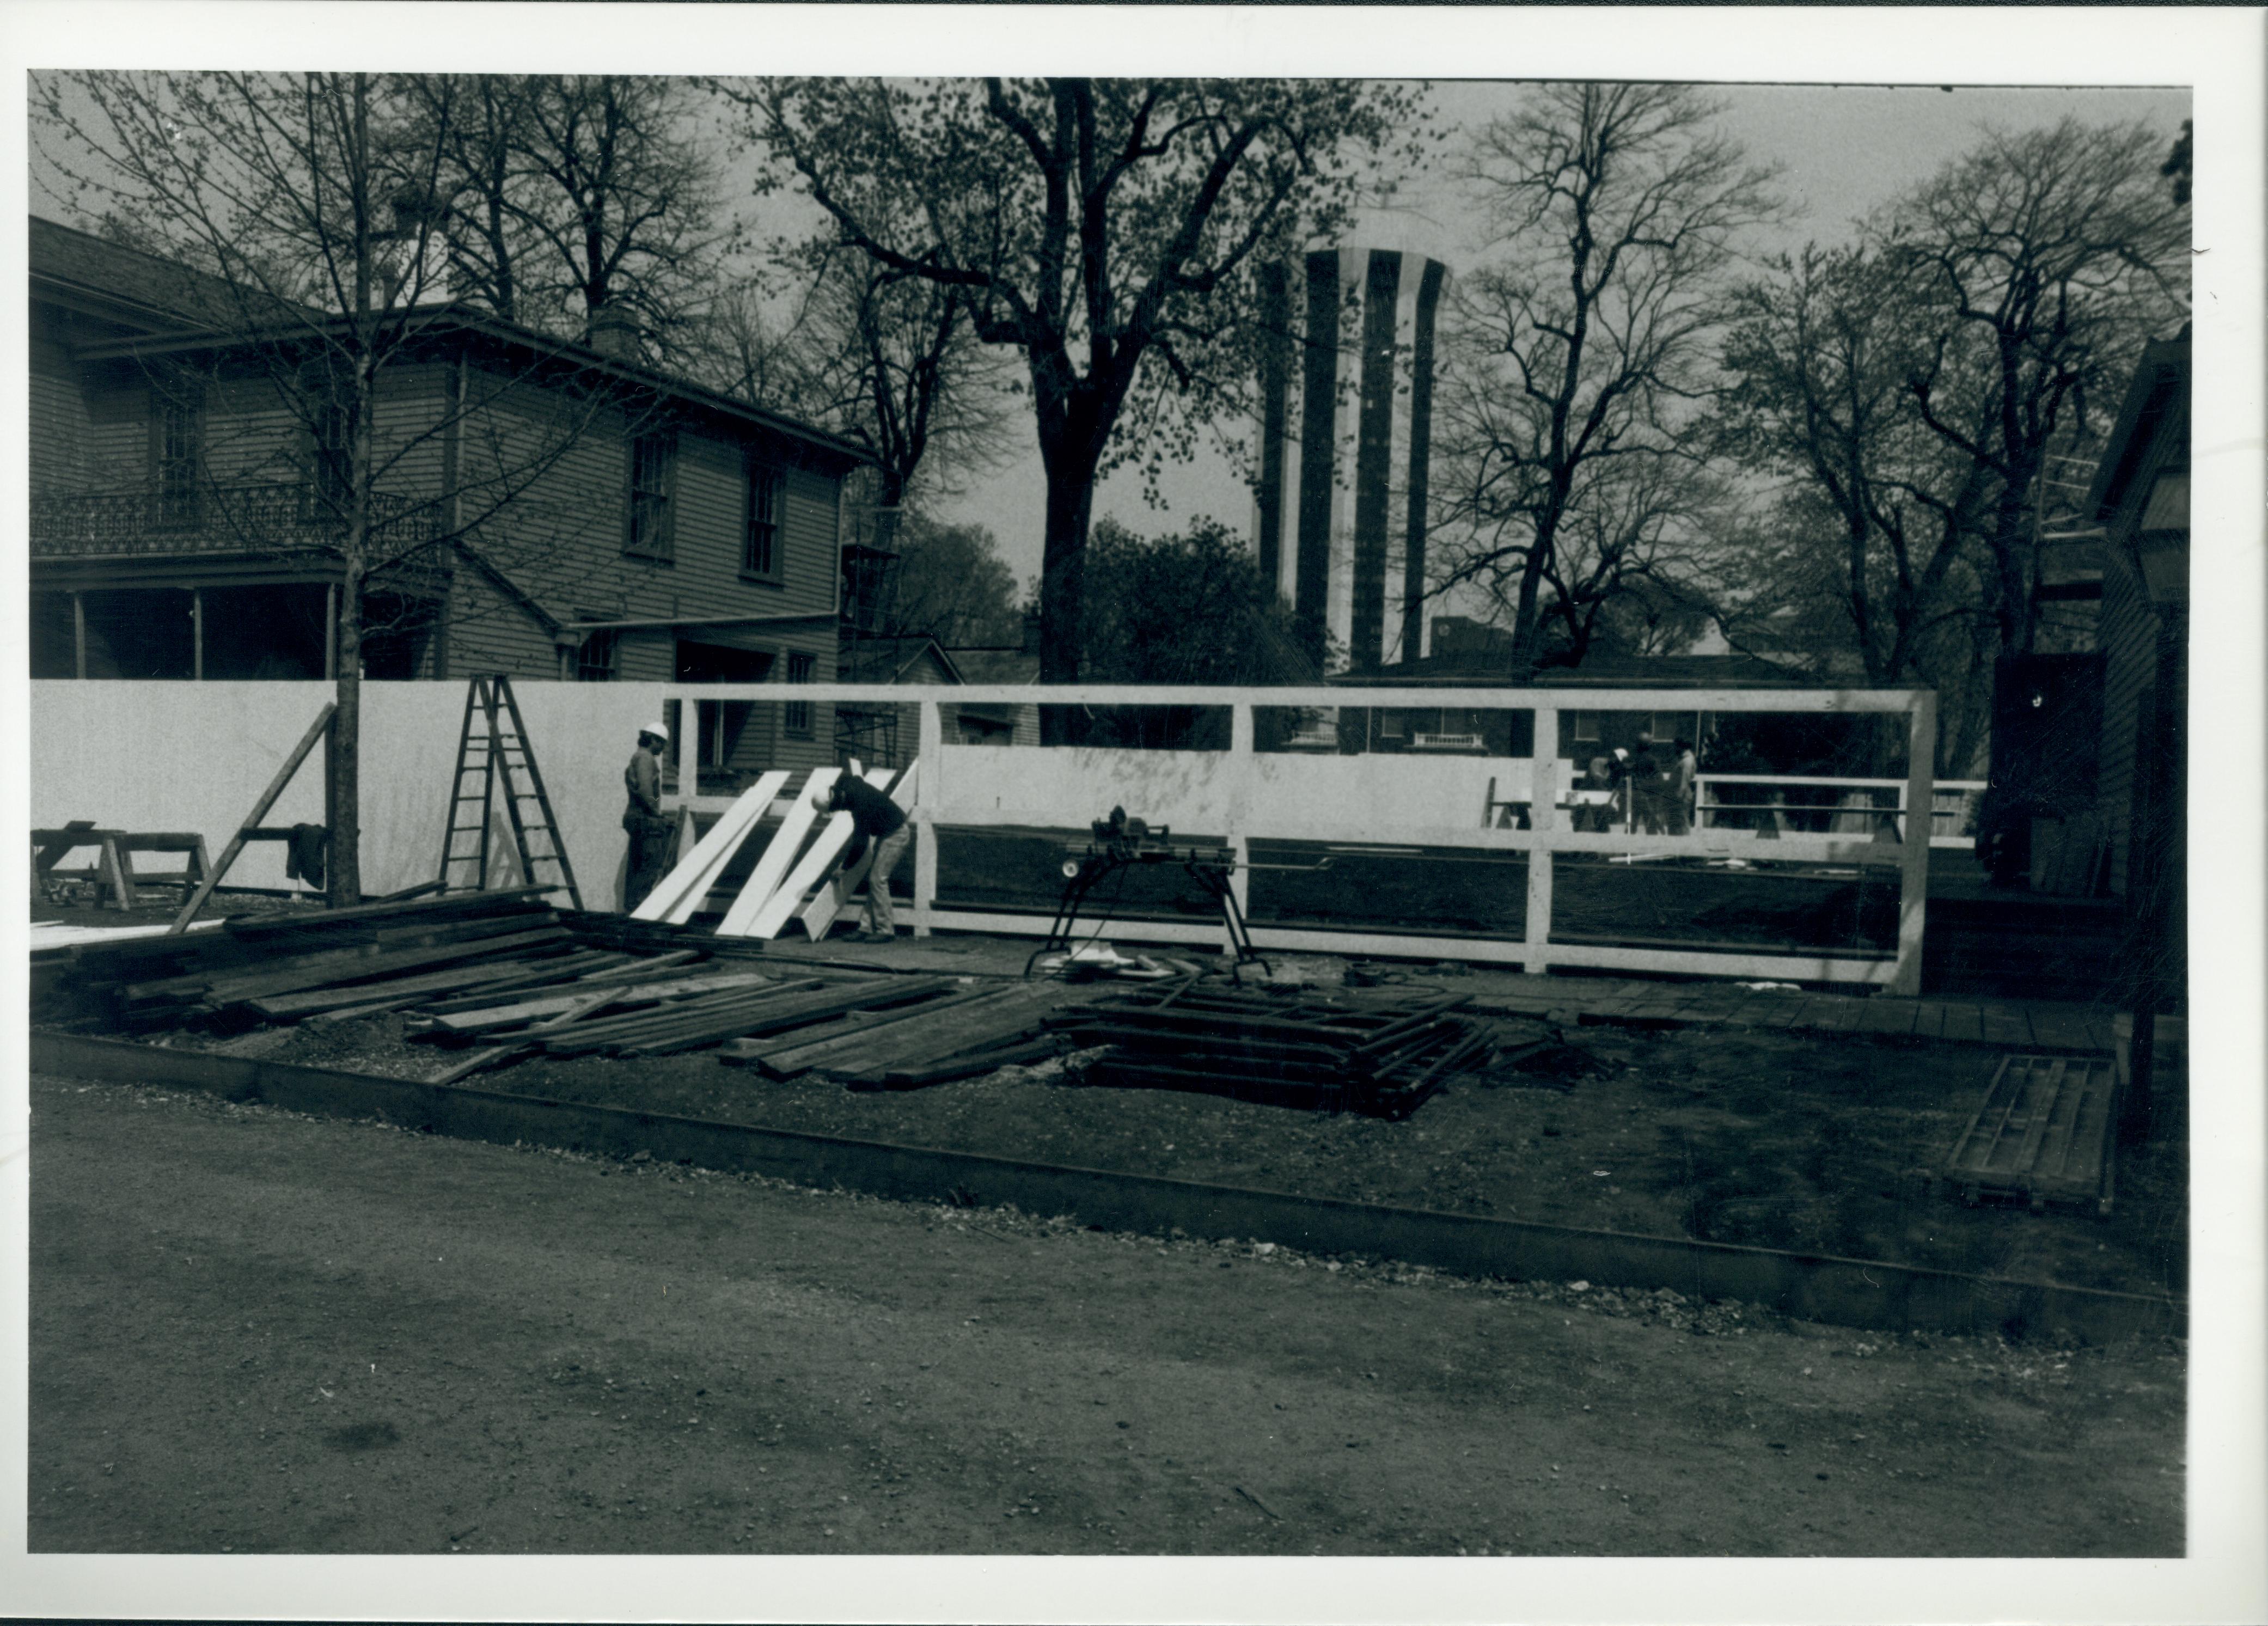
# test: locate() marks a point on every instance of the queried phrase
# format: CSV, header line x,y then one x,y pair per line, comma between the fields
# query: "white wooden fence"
x,y
1243,795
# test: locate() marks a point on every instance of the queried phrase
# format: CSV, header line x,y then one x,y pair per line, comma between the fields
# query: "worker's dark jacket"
x,y
642,780
873,814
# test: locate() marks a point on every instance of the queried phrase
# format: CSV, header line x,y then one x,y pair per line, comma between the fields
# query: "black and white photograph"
x,y
1155,787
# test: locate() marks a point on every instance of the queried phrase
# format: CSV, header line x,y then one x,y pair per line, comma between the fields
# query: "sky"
x,y
1843,151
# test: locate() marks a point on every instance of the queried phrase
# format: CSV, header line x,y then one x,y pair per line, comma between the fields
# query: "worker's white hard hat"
x,y
822,797
659,730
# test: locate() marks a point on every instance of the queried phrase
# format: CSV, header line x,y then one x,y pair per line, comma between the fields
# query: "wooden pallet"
x,y
2042,1134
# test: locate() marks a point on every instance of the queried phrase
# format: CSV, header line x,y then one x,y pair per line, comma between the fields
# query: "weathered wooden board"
x,y
2042,1133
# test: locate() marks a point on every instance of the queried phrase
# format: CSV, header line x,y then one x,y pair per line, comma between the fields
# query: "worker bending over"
x,y
875,817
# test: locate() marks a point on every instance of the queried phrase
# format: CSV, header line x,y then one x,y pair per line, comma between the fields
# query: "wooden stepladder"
x,y
494,763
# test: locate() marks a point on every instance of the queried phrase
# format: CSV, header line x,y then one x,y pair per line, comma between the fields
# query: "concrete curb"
x,y
1850,1293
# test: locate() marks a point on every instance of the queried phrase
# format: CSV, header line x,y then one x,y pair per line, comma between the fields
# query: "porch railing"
x,y
229,518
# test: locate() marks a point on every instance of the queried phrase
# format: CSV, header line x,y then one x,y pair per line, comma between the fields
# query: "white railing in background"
x,y
1241,795
1953,803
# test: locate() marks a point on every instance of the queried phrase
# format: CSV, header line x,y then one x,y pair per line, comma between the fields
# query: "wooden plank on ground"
x,y
552,1003
811,871
1832,1013
237,989
995,1018
2060,1028
1884,1016
496,982
779,854
793,1053
2005,1026
1929,1018
677,894
1962,1023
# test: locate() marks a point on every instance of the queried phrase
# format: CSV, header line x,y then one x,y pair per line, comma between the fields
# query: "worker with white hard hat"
x,y
643,820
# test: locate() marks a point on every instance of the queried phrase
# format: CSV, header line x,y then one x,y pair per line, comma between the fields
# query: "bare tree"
x,y
309,202
2045,259
1104,229
1818,360
585,205
1579,357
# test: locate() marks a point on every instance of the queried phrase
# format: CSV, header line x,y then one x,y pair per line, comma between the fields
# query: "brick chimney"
x,y
612,331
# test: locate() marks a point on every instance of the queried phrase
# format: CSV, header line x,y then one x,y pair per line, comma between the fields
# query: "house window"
x,y
1586,725
653,463
335,459
796,715
180,460
597,662
1392,726
759,544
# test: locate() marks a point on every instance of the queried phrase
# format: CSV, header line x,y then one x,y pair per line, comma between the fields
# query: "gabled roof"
x,y
182,310
2160,386
997,665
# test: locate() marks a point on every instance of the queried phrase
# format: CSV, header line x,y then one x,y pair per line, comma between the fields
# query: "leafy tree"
x,y
308,203
2044,259
1187,608
953,586
1107,231
1579,357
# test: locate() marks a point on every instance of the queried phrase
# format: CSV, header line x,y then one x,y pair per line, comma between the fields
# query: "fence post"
x,y
927,784
1543,821
1920,795
1240,768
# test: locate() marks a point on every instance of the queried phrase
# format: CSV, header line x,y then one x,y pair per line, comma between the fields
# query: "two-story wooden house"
x,y
539,508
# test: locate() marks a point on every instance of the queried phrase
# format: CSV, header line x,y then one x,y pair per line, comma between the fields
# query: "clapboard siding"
x,y
59,419
2129,635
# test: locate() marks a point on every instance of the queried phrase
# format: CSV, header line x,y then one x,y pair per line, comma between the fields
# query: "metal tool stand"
x,y
1119,843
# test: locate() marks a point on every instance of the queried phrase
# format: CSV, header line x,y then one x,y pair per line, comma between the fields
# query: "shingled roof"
x,y
138,290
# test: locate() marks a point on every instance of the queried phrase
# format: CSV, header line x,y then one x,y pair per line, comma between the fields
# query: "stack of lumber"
x,y
955,1031
1380,1056
291,965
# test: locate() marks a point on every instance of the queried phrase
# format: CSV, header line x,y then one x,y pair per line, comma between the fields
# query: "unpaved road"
x,y
256,1332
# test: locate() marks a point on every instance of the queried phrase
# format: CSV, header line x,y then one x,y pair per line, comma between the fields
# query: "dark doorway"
x,y
718,662
269,632
55,638
140,633
395,631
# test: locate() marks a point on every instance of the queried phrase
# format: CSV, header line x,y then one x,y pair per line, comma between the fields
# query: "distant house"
x,y
1466,654
584,518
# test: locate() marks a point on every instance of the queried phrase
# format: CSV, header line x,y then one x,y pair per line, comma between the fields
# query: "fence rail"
x,y
1953,804
1240,796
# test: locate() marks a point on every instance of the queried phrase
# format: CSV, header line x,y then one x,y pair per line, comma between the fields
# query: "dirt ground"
x,y
255,1332
1814,1144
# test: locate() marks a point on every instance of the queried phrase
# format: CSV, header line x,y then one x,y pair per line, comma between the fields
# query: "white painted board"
x,y
810,871
779,855
693,875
